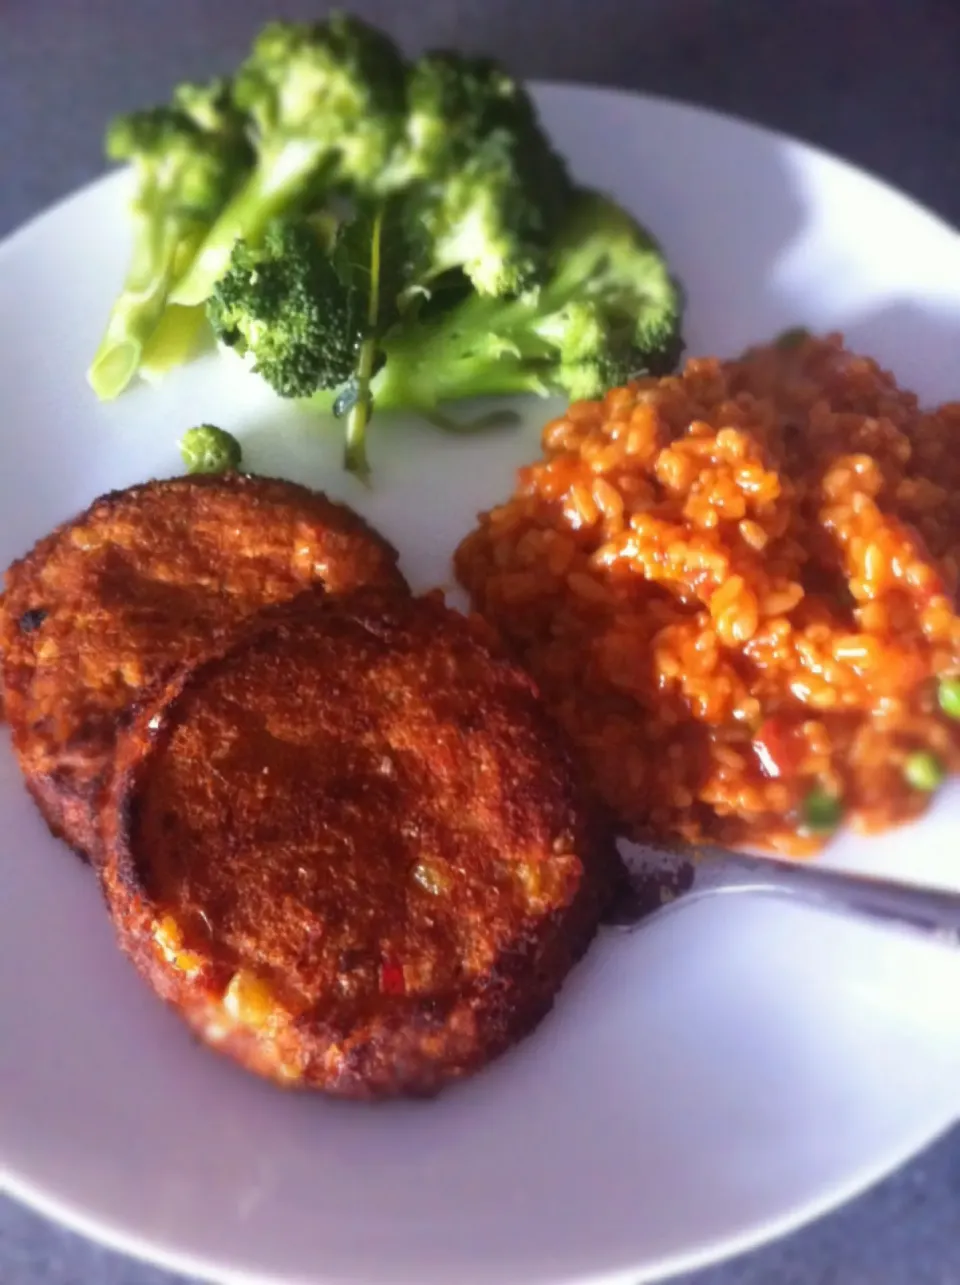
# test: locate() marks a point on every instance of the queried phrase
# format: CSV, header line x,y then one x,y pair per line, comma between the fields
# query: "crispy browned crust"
x,y
362,810
147,579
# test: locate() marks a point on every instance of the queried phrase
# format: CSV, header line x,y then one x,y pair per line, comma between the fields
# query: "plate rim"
x,y
114,1236
104,1235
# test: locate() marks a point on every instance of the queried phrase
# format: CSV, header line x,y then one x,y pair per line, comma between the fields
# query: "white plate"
x,y
703,1084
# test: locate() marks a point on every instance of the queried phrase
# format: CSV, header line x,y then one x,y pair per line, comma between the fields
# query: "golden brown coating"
x,y
148,579
351,850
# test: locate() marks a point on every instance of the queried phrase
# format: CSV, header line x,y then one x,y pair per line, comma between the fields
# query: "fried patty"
x,y
146,580
351,851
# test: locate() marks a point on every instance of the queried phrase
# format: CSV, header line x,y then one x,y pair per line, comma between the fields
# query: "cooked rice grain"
x,y
736,586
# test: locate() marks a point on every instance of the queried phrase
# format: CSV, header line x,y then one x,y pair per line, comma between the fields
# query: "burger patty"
x,y
146,580
350,849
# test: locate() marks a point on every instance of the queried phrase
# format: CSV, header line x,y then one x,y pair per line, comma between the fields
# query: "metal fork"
x,y
664,877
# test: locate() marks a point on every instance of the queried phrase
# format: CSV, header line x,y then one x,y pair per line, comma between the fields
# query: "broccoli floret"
x,y
452,103
326,106
489,189
328,321
603,256
208,449
608,311
183,175
283,305
211,107
308,308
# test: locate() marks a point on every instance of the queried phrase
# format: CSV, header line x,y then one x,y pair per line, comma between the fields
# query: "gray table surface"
x,y
875,80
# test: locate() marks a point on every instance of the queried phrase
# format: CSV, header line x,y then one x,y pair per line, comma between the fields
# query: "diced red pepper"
x,y
778,748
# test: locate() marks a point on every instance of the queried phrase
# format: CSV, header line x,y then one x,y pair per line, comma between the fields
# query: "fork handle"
x,y
932,912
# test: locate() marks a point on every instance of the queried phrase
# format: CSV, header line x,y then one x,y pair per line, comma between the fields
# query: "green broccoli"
x,y
488,191
180,334
369,233
331,323
208,449
309,305
607,311
284,307
183,173
211,107
370,259
326,104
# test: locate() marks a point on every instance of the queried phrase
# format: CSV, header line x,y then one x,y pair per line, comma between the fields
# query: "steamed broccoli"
x,y
208,449
329,321
180,334
606,311
369,255
211,107
283,306
489,191
186,159
309,306
325,104
380,234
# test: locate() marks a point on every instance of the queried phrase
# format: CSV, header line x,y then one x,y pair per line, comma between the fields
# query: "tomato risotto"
x,y
737,587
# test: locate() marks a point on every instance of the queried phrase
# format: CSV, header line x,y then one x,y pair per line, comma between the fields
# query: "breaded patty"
x,y
351,850
148,579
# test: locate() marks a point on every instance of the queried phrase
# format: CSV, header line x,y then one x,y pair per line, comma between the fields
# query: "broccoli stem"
x,y
274,186
491,350
355,445
417,386
178,336
355,441
488,349
413,385
139,307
